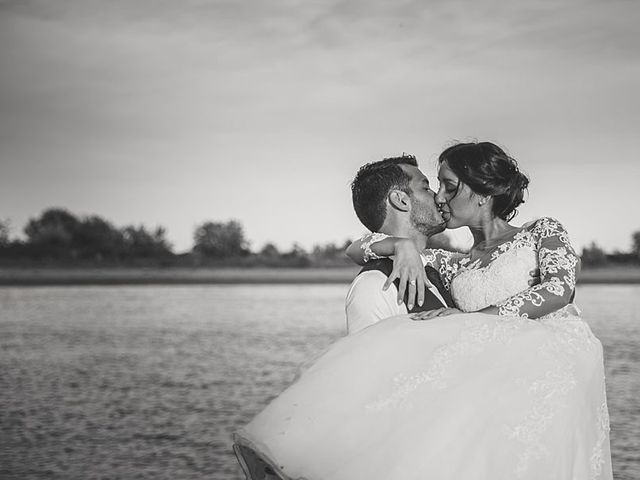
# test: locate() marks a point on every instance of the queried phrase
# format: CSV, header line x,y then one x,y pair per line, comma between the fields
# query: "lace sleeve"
x,y
368,240
445,262
558,263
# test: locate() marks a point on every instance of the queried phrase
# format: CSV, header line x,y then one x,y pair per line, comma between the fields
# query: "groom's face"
x,y
425,215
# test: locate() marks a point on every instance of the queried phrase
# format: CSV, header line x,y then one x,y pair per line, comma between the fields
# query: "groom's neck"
x,y
401,229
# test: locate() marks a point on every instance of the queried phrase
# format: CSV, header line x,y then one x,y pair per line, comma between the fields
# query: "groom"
x,y
392,196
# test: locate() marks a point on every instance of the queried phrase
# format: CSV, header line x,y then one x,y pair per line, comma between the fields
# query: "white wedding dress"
x,y
467,396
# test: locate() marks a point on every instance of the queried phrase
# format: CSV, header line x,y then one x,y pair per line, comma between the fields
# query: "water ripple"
x,y
150,382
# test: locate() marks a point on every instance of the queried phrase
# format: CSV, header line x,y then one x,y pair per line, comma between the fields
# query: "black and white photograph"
x,y
319,240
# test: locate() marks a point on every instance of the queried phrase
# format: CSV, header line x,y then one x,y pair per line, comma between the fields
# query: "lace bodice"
x,y
501,277
476,288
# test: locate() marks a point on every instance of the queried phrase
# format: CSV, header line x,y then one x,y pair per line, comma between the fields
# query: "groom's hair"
x,y
373,183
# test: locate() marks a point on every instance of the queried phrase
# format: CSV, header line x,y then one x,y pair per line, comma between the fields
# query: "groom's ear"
x,y
399,200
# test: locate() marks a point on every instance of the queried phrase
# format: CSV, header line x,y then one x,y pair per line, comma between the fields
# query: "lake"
x,y
150,381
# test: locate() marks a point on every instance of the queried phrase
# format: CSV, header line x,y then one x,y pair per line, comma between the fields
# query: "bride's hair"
x,y
489,171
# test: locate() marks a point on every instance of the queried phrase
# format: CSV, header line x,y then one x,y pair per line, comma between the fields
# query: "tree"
x,y
53,233
270,250
635,245
59,234
593,255
220,239
97,238
139,242
5,231
297,250
297,256
327,250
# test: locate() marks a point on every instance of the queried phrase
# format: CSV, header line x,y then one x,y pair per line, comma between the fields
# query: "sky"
x,y
175,113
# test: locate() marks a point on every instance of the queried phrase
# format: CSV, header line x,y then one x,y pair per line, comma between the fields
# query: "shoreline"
x,y
31,276
173,276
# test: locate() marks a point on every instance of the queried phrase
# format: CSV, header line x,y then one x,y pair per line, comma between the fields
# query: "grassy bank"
x,y
172,276
185,276
630,274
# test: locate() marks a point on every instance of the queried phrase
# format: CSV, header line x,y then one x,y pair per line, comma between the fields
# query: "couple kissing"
x,y
501,379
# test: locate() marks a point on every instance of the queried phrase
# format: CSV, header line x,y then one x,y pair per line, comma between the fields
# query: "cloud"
x,y
135,94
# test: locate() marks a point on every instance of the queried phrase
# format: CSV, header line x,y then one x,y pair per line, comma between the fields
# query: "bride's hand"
x,y
438,312
534,277
408,267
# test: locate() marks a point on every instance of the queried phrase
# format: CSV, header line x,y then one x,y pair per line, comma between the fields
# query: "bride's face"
x,y
458,203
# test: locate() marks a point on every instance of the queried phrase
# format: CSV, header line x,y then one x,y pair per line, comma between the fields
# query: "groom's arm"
x,y
367,303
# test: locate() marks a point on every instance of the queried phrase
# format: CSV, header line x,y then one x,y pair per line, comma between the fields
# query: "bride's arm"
x,y
373,246
559,265
407,263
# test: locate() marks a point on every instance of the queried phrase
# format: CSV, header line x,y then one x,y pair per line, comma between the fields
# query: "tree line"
x,y
595,256
60,237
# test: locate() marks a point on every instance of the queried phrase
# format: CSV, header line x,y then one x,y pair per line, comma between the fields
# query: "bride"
x,y
514,390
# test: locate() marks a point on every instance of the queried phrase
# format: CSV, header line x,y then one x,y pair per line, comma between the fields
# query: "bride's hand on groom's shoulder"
x,y
438,312
409,270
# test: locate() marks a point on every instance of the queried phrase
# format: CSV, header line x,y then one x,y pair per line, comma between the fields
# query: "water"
x,y
149,382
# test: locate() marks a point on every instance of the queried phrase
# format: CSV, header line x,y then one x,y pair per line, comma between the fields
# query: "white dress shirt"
x,y
367,303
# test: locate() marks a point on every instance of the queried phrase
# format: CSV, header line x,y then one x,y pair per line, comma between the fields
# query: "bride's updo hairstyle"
x,y
488,171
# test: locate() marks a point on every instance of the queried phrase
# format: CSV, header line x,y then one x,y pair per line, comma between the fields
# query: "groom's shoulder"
x,y
366,301
371,277
384,265
368,283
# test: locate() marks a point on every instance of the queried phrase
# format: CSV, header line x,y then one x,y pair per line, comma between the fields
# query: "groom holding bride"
x,y
514,390
392,196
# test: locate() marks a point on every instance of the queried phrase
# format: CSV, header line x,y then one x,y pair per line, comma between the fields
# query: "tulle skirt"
x,y
469,396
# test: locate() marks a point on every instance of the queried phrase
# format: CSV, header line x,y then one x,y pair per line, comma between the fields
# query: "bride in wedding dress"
x,y
514,390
